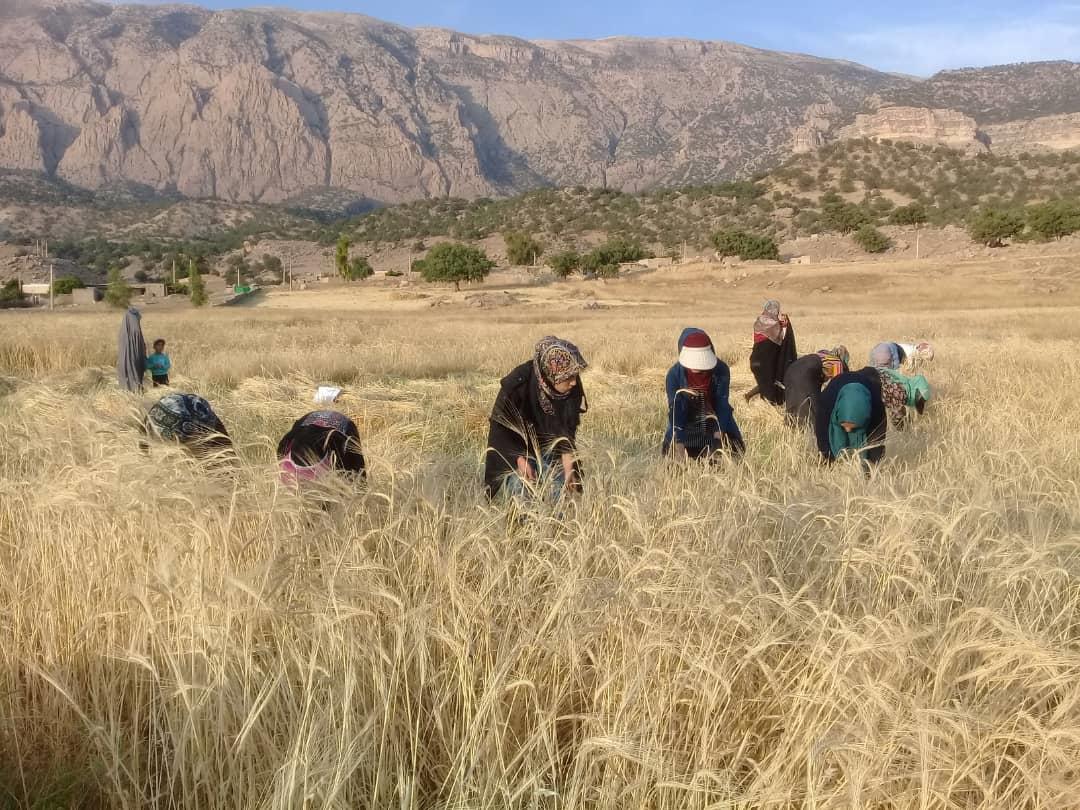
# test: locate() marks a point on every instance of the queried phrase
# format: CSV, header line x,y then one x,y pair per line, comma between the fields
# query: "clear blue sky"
x,y
911,36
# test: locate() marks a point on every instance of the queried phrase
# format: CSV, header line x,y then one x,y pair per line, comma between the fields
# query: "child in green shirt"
x,y
158,364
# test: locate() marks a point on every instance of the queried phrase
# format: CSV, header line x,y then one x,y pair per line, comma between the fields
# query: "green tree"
x,y
842,217
271,264
746,246
341,257
912,214
454,262
872,240
117,293
65,284
604,260
993,225
196,285
10,292
522,248
359,269
1054,219
565,262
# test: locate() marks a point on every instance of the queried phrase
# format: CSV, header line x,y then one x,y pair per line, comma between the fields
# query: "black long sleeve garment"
x,y
802,388
769,362
520,427
879,421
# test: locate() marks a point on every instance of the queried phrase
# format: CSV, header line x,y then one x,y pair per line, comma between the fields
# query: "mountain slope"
x,y
266,105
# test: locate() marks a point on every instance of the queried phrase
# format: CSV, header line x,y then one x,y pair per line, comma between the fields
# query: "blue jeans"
x,y
548,484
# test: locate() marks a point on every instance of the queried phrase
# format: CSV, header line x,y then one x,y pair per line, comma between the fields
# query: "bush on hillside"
x,y
610,255
872,240
842,217
565,263
1053,219
991,226
747,246
912,214
522,248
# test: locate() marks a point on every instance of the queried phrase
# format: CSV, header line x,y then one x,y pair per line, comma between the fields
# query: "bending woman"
x,y
908,355
804,379
317,443
190,421
533,432
851,417
774,350
701,421
898,390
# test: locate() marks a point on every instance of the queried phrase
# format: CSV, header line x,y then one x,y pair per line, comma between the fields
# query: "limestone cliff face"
x,y
918,124
264,105
1046,133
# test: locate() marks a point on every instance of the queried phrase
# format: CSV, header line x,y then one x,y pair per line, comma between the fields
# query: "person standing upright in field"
x,y
159,364
701,421
131,352
532,439
774,350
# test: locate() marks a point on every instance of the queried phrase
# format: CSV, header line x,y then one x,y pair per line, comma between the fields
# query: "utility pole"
x,y
918,233
174,272
51,272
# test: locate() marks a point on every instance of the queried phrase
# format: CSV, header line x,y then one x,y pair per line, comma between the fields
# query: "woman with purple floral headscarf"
x,y
533,433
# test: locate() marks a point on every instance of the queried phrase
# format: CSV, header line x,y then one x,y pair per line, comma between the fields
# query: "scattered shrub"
x,y
66,284
872,240
521,248
746,246
565,263
992,226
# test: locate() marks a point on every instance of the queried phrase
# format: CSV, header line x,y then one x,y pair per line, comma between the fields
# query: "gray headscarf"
x,y
885,355
131,352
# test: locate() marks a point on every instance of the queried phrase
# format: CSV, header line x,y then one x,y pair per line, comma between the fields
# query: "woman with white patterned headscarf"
x,y
532,440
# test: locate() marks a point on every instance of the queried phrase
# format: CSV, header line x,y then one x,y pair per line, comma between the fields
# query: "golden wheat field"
x,y
764,634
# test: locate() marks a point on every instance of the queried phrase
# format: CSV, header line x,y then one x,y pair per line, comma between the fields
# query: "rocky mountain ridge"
x,y
267,105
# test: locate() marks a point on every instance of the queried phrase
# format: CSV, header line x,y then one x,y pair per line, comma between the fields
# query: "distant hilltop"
x,y
269,105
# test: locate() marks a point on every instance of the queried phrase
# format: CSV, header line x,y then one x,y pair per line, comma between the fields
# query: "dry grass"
x,y
770,634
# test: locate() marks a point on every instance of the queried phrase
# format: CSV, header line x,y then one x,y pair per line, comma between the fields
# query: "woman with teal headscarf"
x,y
851,417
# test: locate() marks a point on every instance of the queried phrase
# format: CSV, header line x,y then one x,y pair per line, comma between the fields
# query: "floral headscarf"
x,y
555,361
768,322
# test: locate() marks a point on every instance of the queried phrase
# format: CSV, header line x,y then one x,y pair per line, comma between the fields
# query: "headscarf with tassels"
x,y
555,361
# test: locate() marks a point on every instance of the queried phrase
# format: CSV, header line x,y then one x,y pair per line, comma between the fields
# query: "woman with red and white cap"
x,y
701,421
